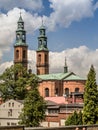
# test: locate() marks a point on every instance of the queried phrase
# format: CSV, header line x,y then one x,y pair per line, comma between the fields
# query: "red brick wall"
x,y
74,84
52,85
47,84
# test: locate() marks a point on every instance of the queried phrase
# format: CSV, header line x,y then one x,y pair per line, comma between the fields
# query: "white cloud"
x,y
79,61
64,13
8,26
5,65
27,4
67,11
96,6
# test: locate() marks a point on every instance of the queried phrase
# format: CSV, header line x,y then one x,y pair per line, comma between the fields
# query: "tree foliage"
x,y
17,83
90,110
10,88
74,119
34,107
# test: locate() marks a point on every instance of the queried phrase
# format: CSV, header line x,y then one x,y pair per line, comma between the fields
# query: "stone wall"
x,y
94,127
11,127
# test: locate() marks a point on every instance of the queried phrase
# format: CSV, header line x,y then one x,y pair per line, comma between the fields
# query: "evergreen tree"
x,y
80,119
90,110
34,106
68,121
74,119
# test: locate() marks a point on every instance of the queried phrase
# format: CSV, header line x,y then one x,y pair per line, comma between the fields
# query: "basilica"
x,y
50,85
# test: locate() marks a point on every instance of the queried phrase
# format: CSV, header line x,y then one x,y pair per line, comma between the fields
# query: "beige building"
x,y
9,112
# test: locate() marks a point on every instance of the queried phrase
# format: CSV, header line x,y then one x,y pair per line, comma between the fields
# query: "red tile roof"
x,y
64,100
58,100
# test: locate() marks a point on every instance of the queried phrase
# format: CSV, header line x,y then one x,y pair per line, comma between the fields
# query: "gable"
x,y
73,77
11,103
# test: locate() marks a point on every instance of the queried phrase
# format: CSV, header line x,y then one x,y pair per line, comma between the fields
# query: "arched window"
x,y
17,54
66,91
18,36
24,54
40,43
39,58
46,92
38,71
23,37
76,90
46,58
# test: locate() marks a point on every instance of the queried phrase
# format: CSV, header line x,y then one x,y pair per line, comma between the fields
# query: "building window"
x,y
46,92
39,58
8,123
76,90
13,124
23,37
17,54
38,71
53,111
9,104
24,54
46,58
56,91
9,112
18,36
42,32
13,104
66,91
40,43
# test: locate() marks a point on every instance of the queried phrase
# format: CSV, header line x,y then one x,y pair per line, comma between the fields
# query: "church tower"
x,y
42,53
20,46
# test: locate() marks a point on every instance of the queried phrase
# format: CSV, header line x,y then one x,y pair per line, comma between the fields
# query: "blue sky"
x,y
71,26
78,33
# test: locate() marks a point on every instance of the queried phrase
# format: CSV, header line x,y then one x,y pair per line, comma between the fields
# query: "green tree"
x,y
34,106
10,88
74,119
80,118
68,121
90,110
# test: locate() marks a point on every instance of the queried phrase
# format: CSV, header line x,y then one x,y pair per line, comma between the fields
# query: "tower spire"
x,y
65,67
42,52
20,46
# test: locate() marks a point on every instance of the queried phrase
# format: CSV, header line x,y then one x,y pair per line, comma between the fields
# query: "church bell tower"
x,y
20,46
42,53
